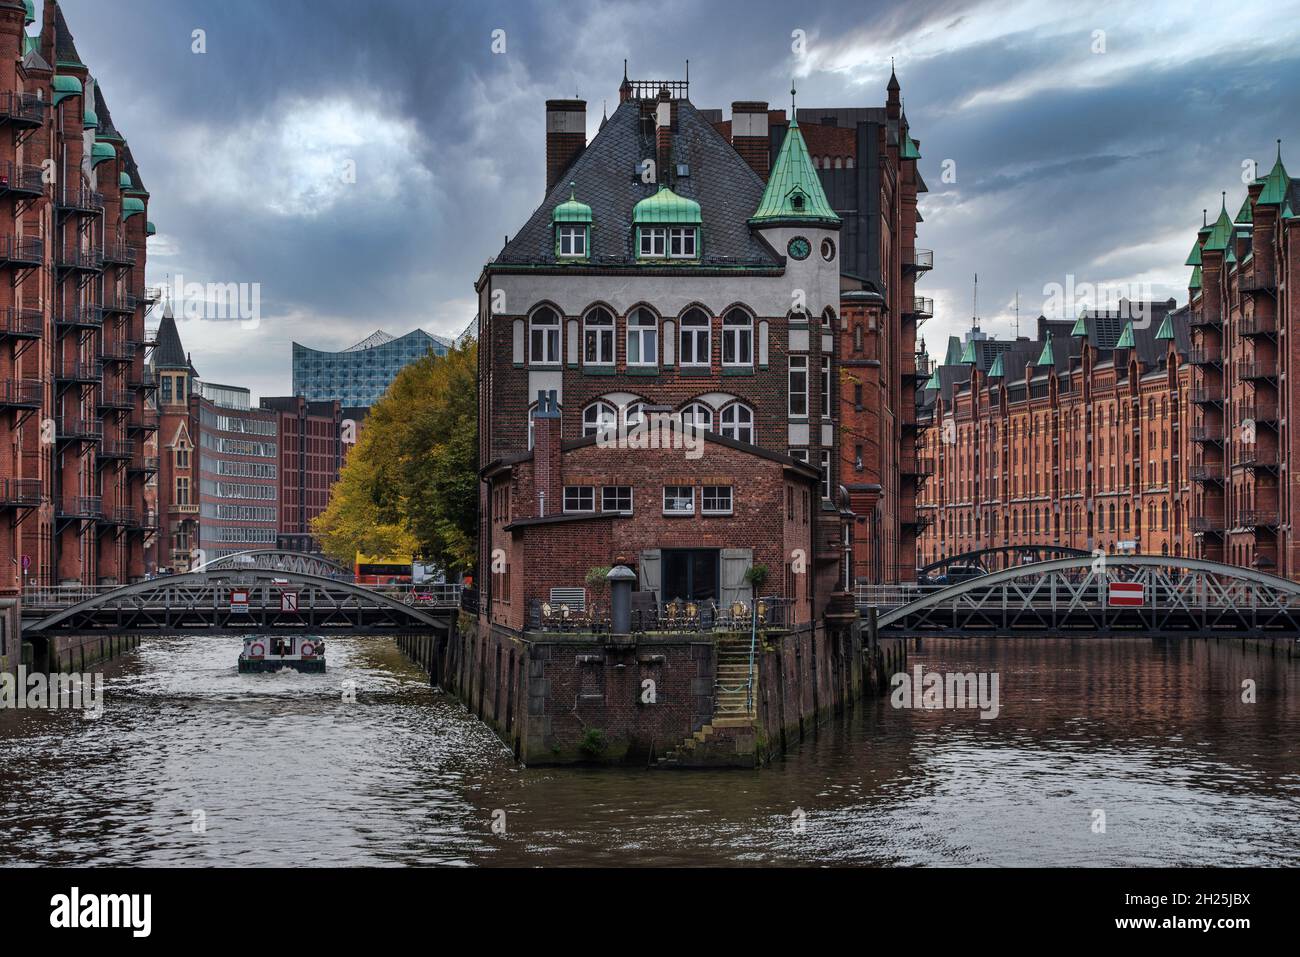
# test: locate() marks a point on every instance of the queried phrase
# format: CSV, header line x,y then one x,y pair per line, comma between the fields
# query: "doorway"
x,y
690,574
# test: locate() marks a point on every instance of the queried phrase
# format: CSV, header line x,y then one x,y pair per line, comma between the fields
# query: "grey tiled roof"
x,y
64,46
169,354
604,175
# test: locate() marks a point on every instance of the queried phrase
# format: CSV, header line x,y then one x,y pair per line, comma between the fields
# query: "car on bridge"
x,y
955,575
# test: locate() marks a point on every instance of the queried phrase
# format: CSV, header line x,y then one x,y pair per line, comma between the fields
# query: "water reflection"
x,y
285,772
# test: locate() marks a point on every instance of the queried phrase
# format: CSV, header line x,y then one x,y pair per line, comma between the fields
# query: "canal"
x,y
193,764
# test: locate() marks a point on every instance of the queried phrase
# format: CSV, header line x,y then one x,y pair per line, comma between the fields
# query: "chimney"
x,y
749,135
547,479
566,137
664,134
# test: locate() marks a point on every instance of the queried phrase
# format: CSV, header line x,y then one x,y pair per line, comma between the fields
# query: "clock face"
x,y
799,248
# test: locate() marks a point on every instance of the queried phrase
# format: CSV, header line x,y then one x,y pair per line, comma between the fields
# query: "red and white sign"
x,y
288,601
239,602
1127,595
27,562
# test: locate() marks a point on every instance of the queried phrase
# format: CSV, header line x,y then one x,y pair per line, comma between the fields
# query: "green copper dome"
x,y
91,119
131,207
1196,279
1166,329
150,229
794,190
1220,232
1276,183
124,181
66,86
572,211
31,10
1126,337
1047,357
666,208
102,153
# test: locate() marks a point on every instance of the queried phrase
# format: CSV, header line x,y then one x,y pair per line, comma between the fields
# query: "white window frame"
x,y
652,242
593,421
732,424
549,338
574,238
826,387
633,415
683,242
699,415
738,339
643,330
678,497
717,509
617,490
798,368
577,497
596,330
695,333
825,456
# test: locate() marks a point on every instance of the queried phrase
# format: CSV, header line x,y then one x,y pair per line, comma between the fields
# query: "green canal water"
x,y
193,764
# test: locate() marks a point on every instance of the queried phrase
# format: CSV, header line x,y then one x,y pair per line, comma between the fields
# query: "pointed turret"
x,y
794,191
1080,330
968,356
1126,337
1166,330
1194,257
1047,357
1276,183
1221,231
996,370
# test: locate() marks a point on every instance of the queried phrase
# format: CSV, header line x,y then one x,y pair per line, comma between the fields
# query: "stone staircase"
x,y
732,708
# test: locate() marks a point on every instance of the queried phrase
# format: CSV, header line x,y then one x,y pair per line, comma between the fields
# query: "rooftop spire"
x,y
794,190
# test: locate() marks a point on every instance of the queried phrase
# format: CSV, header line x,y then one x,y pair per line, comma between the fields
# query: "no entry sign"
x,y
1127,595
239,601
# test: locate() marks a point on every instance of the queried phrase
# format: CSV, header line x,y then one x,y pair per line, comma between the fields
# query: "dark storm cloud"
x,y
1063,157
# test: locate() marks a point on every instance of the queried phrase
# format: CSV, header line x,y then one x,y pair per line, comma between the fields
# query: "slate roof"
x,y
65,48
727,190
169,353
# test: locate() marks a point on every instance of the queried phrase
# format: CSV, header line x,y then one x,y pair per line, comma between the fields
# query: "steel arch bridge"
x,y
279,560
1074,597
221,602
977,557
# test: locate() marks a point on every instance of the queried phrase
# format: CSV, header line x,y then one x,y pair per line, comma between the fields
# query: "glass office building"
x,y
358,376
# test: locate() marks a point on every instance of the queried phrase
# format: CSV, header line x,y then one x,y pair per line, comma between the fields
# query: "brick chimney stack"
x,y
664,133
547,477
566,137
749,135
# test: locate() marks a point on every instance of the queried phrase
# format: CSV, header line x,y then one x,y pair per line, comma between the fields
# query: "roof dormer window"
x,y
667,226
572,222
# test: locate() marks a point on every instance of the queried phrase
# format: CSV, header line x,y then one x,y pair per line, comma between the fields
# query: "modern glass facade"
x,y
360,375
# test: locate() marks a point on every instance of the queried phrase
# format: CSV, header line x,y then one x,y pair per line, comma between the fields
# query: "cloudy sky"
x,y
1083,139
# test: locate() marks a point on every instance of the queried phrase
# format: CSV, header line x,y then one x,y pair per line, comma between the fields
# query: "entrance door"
x,y
690,574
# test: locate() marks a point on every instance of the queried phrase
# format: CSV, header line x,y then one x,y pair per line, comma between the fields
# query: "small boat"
x,y
297,652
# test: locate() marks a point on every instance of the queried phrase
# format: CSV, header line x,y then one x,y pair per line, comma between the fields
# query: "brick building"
x,y
76,422
1167,434
311,457
696,290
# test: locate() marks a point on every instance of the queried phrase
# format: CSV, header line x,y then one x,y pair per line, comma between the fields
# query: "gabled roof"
x,y
794,189
1046,357
1166,330
1276,183
995,370
1126,337
1220,232
724,185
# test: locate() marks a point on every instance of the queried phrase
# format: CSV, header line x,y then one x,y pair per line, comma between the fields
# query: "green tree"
x,y
410,485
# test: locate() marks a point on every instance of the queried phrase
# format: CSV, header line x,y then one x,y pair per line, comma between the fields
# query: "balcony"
x,y
1258,326
1210,472
82,507
182,508
921,260
82,261
1202,524
123,515
23,110
1207,395
145,383
1254,370
79,201
21,394
916,465
922,308
22,180
146,422
117,450
147,521
119,254
20,493
1207,433
118,351
119,305
143,465
1203,318
1259,280
1206,357
70,429
1255,456
1261,413
115,399
1259,518
71,372
78,317
21,251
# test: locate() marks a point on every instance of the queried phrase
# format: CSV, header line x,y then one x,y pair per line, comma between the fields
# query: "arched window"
x,y
738,422
599,417
738,338
699,415
544,337
634,415
695,339
598,338
642,338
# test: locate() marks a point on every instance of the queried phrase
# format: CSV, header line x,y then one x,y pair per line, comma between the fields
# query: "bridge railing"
x,y
438,595
45,598
892,596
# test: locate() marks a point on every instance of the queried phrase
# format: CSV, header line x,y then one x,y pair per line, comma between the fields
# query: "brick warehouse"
x,y
76,418
1169,438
